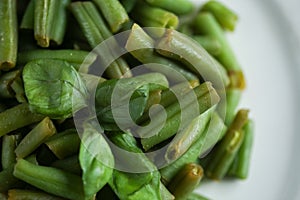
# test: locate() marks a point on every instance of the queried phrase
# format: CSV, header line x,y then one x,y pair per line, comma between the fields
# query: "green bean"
x,y
185,138
233,97
128,5
8,34
70,164
149,16
7,180
173,122
154,98
210,44
205,23
226,17
28,17
186,181
8,157
32,158
114,13
75,57
223,154
6,81
178,7
214,136
240,166
182,48
141,46
18,90
49,179
50,21
35,138
88,18
193,152
17,117
64,144
18,194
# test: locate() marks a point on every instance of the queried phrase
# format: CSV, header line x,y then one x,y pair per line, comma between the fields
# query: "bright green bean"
x,y
64,144
185,181
226,17
114,13
17,117
8,34
210,44
8,157
49,179
233,97
141,46
178,7
35,138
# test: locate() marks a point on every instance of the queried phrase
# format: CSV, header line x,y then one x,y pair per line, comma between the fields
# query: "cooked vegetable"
x,y
162,117
8,34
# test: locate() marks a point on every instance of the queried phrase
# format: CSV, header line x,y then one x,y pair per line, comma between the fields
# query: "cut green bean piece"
x,y
28,17
152,135
17,117
184,139
50,21
226,17
18,194
240,166
7,180
205,23
182,48
64,144
114,13
210,44
233,97
70,164
178,7
8,157
193,152
185,181
149,16
224,153
128,5
76,58
49,179
8,34
141,46
95,31
35,138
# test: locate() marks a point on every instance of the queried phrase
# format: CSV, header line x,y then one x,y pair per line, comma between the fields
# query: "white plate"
x,y
267,47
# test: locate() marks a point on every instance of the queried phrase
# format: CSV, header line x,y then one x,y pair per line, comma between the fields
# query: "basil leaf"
x,y
96,160
53,88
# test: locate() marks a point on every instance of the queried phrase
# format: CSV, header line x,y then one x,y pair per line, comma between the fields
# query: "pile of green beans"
x,y
53,145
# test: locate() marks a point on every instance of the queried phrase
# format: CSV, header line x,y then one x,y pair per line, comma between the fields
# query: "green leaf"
x,y
53,88
96,161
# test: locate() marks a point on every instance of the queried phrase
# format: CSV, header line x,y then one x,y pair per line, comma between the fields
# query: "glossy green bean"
x,y
181,119
233,97
149,16
240,166
74,57
8,156
28,17
8,34
35,138
49,179
141,46
178,7
185,181
64,144
211,45
17,117
226,17
50,21
205,23
114,13
224,153
178,46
